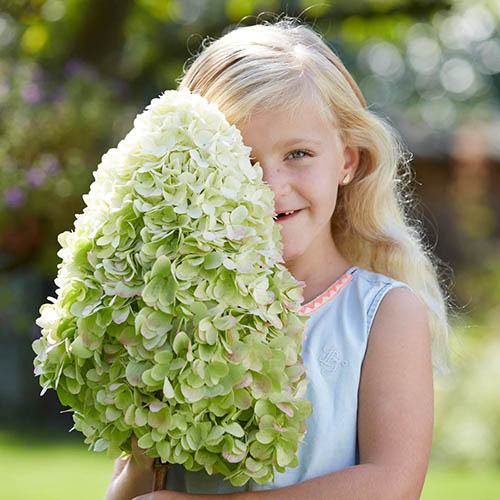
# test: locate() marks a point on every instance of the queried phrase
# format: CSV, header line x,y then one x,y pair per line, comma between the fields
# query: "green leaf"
x,y
164,450
186,271
261,451
192,395
204,457
213,260
216,435
242,399
162,267
78,349
238,215
158,372
234,429
193,436
130,415
148,379
101,445
285,452
156,419
141,417
168,390
261,384
145,441
134,372
163,357
225,322
239,479
128,336
181,343
253,465
112,413
217,369
265,436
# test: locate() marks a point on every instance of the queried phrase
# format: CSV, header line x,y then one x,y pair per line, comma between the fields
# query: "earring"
x,y
346,180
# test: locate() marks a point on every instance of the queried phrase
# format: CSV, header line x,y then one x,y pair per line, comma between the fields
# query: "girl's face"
x,y
304,161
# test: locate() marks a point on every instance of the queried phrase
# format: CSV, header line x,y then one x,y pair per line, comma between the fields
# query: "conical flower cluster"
x,y
175,317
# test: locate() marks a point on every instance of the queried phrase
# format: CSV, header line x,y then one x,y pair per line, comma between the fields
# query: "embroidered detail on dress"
x,y
331,360
327,296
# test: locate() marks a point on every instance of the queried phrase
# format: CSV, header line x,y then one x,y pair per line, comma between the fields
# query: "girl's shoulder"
x,y
385,295
356,285
371,279
353,301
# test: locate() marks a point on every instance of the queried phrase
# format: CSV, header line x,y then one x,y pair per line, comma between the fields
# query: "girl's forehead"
x,y
281,127
305,111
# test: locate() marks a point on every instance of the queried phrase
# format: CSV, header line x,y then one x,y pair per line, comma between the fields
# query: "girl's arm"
x,y
395,416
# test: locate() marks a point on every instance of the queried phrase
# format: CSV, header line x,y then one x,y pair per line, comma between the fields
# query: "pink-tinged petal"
x,y
247,380
278,428
156,406
233,458
113,387
285,408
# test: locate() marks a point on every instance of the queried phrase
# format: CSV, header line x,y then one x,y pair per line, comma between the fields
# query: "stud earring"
x,y
346,180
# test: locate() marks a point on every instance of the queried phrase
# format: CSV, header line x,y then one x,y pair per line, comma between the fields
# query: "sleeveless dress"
x,y
333,351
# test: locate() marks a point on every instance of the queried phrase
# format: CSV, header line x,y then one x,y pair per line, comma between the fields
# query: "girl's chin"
x,y
289,257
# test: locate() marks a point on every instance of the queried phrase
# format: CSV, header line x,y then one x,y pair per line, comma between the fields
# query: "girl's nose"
x,y
275,176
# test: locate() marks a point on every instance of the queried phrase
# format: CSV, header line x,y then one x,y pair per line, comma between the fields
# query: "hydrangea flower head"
x,y
175,317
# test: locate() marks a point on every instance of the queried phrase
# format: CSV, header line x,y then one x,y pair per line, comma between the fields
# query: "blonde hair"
x,y
278,65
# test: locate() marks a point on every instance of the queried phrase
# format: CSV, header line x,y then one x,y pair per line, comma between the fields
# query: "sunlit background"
x,y
73,75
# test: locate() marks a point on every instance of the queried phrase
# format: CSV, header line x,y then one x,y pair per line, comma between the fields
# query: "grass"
x,y
44,470
38,469
478,483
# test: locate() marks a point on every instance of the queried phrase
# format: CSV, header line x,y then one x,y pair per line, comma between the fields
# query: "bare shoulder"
x,y
395,413
401,305
399,341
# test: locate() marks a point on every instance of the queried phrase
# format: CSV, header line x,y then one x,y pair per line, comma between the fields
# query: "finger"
x,y
139,454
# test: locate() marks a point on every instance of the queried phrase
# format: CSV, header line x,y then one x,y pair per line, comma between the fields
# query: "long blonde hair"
x,y
276,66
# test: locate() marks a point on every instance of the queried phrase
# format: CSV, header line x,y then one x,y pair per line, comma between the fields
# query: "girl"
x,y
371,291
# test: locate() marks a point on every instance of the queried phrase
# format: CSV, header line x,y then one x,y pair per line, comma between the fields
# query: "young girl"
x,y
372,294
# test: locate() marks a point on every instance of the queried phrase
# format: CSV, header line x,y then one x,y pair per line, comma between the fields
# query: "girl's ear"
x,y
351,161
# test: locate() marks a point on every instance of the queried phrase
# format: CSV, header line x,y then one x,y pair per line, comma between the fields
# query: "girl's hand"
x,y
132,476
138,457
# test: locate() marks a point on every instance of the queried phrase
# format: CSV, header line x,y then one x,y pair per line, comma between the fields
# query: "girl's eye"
x,y
298,154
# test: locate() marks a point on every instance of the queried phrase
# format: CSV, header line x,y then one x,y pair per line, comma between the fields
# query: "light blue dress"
x,y
333,352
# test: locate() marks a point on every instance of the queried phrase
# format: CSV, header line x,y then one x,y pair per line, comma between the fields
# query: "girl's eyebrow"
x,y
296,140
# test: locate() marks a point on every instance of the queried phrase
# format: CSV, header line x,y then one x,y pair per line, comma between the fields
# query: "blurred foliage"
x,y
467,431
74,73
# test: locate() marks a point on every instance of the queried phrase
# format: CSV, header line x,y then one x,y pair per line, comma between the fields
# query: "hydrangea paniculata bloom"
x,y
175,317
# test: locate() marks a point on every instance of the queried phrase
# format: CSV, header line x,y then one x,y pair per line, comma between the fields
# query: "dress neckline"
x,y
329,294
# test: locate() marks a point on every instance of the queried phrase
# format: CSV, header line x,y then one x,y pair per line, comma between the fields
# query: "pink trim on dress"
x,y
326,296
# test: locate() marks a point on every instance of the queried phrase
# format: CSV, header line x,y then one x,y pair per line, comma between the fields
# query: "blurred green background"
x,y
73,75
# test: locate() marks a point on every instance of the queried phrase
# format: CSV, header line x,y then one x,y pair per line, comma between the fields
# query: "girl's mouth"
x,y
287,215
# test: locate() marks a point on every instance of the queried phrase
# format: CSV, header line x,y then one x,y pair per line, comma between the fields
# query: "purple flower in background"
x,y
35,177
77,68
50,164
39,74
14,197
4,89
73,67
31,93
